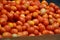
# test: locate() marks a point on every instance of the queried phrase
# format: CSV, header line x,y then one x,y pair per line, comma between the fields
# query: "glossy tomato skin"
x,y
32,35
8,28
30,29
47,32
19,28
36,32
1,36
41,27
57,31
14,31
7,34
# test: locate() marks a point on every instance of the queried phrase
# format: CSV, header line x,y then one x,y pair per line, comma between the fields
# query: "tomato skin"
x,y
24,28
57,31
32,35
20,34
19,28
36,27
30,29
41,27
19,23
1,36
36,32
8,28
14,31
2,29
7,34
50,27
45,21
58,11
40,18
25,33
47,32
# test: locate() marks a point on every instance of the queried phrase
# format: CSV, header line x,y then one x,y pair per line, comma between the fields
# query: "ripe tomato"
x,y
8,28
41,27
14,31
25,33
7,34
47,32
19,28
57,31
36,21
31,29
32,35
20,34
36,32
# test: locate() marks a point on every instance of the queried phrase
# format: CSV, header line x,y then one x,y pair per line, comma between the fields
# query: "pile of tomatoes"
x,y
28,18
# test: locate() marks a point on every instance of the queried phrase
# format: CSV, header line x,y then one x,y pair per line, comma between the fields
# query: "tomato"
x,y
45,21
30,29
27,12
25,33
58,11
22,19
36,32
19,27
19,23
36,27
31,22
32,35
40,19
57,31
35,14
0,36
8,28
40,34
2,30
7,34
20,34
24,28
52,4
10,24
14,35
47,32
14,31
51,9
41,27
26,24
13,8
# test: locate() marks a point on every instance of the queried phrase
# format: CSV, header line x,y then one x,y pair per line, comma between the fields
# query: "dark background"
x,y
57,2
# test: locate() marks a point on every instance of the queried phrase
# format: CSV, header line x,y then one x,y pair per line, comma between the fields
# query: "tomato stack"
x,y
28,18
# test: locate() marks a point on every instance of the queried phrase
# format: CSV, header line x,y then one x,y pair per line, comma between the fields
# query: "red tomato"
x,y
2,30
25,33
30,29
45,21
58,11
8,28
47,32
19,27
6,34
26,24
14,31
36,32
50,27
57,31
0,36
19,23
32,35
24,28
41,27
20,34
36,27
